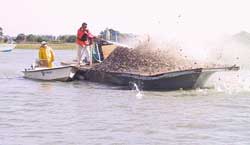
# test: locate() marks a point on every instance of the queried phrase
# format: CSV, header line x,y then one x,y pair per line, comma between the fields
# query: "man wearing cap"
x,y
46,55
83,41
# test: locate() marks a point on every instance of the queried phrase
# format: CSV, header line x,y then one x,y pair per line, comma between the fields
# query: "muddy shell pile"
x,y
146,60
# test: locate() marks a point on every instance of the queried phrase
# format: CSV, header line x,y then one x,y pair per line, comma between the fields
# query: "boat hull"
x,y
187,79
64,73
7,47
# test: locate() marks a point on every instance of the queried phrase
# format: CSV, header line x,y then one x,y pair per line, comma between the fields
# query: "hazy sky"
x,y
134,16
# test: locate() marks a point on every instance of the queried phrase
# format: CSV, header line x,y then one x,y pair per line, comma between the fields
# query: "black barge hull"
x,y
187,79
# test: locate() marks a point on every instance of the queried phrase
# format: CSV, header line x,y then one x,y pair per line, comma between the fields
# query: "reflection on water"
x,y
44,113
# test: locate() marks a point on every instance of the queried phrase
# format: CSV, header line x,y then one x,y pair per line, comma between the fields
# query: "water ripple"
x,y
44,113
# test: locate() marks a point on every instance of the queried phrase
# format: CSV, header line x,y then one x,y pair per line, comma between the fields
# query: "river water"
x,y
84,113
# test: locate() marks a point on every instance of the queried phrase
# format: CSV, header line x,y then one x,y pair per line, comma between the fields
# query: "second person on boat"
x,y
46,55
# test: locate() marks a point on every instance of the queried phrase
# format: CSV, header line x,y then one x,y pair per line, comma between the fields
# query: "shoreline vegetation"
x,y
32,41
52,45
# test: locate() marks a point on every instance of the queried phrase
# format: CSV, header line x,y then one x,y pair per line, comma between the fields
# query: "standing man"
x,y
84,40
46,55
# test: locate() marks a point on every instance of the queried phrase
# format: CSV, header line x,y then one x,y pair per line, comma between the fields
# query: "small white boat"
x,y
7,47
61,73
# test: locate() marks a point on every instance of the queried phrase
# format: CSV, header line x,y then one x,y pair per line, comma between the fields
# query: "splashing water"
x,y
139,94
200,51
231,82
225,50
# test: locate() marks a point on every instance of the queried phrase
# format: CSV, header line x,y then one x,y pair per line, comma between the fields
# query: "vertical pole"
x,y
116,40
90,55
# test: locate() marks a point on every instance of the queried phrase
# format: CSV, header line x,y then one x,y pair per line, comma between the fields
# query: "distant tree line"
x,y
30,38
4,38
108,34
